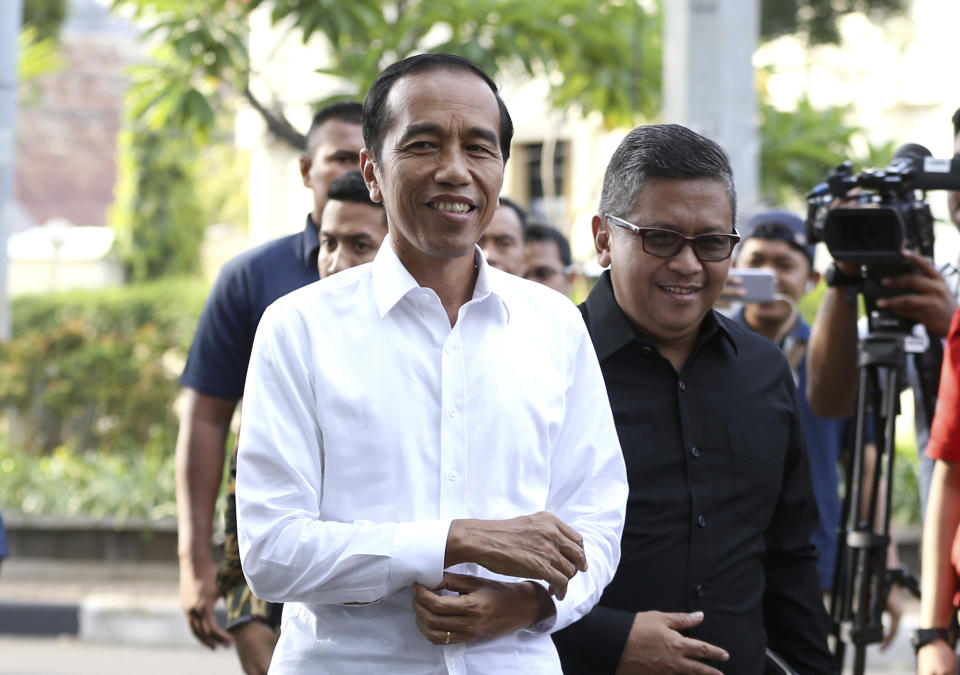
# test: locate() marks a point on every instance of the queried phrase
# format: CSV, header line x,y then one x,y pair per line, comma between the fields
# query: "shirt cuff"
x,y
419,549
545,625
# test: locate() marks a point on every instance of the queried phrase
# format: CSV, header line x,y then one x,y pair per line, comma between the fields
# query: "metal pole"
x,y
11,16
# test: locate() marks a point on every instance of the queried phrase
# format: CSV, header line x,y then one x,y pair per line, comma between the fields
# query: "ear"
x,y
368,167
601,240
813,280
305,165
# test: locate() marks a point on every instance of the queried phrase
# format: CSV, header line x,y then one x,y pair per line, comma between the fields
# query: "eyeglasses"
x,y
667,243
541,273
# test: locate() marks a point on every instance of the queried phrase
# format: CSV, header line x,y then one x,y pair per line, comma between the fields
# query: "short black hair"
x,y
539,232
377,118
350,187
345,111
521,214
656,151
956,123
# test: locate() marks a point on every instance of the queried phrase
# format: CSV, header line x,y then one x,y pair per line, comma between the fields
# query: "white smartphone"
x,y
759,285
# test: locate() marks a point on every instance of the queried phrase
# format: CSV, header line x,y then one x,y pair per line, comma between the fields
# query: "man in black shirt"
x,y
721,507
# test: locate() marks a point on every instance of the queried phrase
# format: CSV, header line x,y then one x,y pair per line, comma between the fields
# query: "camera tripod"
x,y
862,580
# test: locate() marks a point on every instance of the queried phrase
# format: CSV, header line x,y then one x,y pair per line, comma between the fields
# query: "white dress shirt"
x,y
369,424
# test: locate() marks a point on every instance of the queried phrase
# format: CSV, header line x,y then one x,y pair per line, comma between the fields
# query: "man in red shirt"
x,y
933,640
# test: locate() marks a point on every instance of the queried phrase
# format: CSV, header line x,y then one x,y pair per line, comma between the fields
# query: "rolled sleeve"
x,y
589,484
289,552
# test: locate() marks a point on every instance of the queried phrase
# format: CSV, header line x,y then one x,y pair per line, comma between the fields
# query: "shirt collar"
x,y
310,243
610,329
392,281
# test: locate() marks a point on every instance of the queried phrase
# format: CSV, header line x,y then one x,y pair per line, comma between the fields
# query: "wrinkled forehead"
x,y
433,94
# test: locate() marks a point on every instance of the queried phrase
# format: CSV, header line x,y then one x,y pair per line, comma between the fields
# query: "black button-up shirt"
x,y
721,508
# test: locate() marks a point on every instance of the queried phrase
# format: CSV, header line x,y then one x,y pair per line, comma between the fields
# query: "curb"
x,y
102,618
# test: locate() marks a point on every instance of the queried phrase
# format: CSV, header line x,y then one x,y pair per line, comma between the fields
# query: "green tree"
x,y
157,214
46,17
37,42
817,20
598,55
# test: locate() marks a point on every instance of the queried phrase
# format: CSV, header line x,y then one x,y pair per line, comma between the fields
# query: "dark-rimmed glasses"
x,y
710,247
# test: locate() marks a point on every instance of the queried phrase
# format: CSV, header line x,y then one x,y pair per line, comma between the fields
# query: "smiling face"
x,y
667,298
440,169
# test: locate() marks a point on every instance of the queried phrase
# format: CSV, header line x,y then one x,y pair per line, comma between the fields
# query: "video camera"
x,y
879,215
869,219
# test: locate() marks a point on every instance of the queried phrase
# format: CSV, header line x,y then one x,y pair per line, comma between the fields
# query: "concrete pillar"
x,y
11,16
708,80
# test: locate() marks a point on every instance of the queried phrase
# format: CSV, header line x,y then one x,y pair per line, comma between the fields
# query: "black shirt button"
x,y
701,521
699,590
695,451
683,385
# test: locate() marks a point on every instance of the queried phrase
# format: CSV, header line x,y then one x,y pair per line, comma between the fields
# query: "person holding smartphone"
x,y
775,240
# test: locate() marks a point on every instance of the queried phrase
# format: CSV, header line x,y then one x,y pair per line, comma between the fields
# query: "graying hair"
x,y
659,151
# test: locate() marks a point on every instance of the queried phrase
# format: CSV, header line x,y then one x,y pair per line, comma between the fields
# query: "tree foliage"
x,y
157,215
45,17
818,20
598,55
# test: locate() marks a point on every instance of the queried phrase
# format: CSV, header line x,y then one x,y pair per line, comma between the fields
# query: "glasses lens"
x,y
540,273
662,242
712,246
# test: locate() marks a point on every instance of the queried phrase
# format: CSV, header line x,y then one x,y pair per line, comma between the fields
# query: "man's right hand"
x,y
936,658
198,593
538,546
655,646
255,643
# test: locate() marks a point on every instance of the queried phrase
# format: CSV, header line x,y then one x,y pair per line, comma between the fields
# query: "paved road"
x,y
69,656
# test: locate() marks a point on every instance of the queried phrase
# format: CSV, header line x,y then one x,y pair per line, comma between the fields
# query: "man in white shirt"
x,y
432,479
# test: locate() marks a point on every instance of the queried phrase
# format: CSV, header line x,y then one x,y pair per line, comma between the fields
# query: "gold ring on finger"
x,y
447,640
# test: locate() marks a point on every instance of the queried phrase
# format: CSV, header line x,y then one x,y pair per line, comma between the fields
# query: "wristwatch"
x,y
837,277
924,636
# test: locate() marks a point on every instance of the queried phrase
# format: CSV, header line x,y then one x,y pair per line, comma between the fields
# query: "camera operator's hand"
x,y
894,611
930,303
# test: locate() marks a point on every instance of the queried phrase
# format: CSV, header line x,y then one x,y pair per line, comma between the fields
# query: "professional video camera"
x,y
868,219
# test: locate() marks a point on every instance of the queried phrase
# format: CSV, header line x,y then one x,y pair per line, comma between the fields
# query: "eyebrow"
x,y
420,128
432,128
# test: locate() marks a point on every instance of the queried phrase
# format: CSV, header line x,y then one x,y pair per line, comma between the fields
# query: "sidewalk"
x,y
136,604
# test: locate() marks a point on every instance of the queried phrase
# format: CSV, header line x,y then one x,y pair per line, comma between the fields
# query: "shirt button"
x,y
701,521
450,348
451,412
699,590
683,385
695,451
453,476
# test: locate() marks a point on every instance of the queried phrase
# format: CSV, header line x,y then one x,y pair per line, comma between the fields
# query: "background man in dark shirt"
x,y
547,258
352,228
721,507
217,366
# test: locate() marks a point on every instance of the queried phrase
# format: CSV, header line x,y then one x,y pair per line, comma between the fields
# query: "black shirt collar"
x,y
611,330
